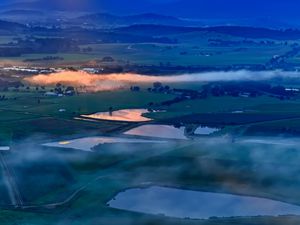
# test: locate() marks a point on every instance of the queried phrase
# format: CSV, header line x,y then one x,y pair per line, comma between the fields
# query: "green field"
x,y
236,133
198,53
192,49
214,164
25,108
24,115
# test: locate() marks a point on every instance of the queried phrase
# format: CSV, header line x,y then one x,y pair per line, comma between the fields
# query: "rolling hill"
x,y
245,32
106,19
279,13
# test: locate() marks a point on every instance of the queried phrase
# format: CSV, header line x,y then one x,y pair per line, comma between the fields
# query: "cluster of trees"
x,y
4,85
63,90
87,50
14,51
135,88
49,45
248,88
280,61
185,94
107,59
174,101
229,43
47,58
159,88
181,94
5,98
218,89
39,45
2,98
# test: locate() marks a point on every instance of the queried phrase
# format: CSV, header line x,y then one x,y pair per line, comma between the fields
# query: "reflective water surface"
x,y
87,144
205,130
4,148
198,205
127,115
158,131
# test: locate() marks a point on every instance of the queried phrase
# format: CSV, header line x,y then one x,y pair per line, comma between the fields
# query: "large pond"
x,y
198,205
126,115
87,144
158,131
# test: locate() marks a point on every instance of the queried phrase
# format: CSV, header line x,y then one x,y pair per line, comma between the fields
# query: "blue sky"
x,y
275,9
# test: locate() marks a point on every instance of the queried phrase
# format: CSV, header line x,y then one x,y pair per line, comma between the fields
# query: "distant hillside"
x,y
106,19
246,32
182,8
22,12
270,13
10,26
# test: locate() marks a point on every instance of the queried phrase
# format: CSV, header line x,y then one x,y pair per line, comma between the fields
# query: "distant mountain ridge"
x,y
17,12
240,31
180,8
145,18
269,13
11,26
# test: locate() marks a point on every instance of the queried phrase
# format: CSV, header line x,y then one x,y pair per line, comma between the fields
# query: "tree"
x,y
150,104
157,85
135,88
108,59
70,88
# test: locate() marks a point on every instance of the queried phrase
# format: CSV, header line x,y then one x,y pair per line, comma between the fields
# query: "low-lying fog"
x,y
106,82
269,164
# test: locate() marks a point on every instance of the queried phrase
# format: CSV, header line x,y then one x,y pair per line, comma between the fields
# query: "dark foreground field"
x,y
215,165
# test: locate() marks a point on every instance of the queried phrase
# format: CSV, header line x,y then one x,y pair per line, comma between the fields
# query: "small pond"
x,y
126,115
205,130
158,131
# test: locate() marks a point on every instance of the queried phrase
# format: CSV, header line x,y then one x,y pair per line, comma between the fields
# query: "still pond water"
x,y
197,205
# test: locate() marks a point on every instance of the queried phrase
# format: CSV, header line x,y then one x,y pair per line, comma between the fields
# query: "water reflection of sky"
x,y
205,130
158,131
86,144
4,148
128,115
198,205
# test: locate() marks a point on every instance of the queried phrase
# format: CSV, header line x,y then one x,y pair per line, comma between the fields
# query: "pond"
x,y
4,148
126,115
87,144
158,131
205,130
198,205
278,141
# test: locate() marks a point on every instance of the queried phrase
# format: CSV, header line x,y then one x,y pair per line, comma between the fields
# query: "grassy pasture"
x,y
218,166
193,49
24,116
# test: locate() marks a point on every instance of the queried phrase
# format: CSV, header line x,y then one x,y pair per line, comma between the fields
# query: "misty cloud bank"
x,y
106,82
